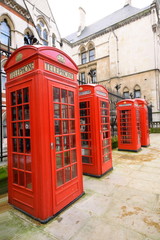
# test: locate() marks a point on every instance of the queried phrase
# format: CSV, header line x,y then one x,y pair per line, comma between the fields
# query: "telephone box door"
x,y
105,135
64,143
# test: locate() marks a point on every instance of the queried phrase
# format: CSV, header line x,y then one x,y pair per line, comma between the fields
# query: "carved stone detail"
x,y
17,8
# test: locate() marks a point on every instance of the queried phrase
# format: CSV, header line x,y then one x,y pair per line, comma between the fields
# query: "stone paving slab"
x,y
100,228
122,205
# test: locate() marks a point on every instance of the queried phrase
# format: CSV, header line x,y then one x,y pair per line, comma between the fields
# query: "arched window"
x,y
91,52
42,31
83,55
45,37
41,23
126,92
137,91
5,33
39,30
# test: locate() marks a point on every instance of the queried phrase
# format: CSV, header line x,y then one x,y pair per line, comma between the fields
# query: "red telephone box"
x,y
144,126
45,169
95,130
128,125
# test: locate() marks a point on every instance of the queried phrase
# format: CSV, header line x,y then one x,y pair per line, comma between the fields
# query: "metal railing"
x,y
114,97
6,54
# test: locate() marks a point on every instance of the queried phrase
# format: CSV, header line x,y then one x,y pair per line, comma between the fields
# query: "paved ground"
x,y
122,205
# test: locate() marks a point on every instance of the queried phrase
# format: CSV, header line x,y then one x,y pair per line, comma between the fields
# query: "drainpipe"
x,y
154,28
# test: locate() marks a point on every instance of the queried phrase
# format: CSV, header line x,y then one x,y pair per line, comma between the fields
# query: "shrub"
x,y
3,179
154,130
114,142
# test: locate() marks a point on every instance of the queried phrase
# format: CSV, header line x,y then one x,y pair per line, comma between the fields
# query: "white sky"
x,y
66,12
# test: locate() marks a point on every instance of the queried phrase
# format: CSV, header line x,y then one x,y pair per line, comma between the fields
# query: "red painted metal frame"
x,y
96,132
128,125
40,196
144,125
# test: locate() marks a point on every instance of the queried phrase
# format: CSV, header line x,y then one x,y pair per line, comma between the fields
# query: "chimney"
x,y
82,17
127,2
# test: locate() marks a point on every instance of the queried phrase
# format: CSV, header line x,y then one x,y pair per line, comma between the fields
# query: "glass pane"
x,y
73,156
27,128
19,96
21,161
21,178
86,159
85,120
59,159
106,150
103,104
57,127
20,113
60,177
85,136
58,144
67,174
64,111
28,163
14,145
5,28
27,145
74,171
65,126
56,94
71,111
14,129
85,144
13,98
25,95
28,181
71,97
73,141
83,112
104,112
13,114
105,135
85,128
105,142
20,145
5,39
56,110
26,112
66,142
104,127
107,158
86,152
20,129
15,176
67,158
15,161
64,96
83,105
72,126
104,119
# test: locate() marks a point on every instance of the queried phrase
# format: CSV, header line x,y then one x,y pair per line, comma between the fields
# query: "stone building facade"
x,y
121,51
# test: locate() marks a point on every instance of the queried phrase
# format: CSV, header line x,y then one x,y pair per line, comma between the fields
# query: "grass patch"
x,y
154,130
3,179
